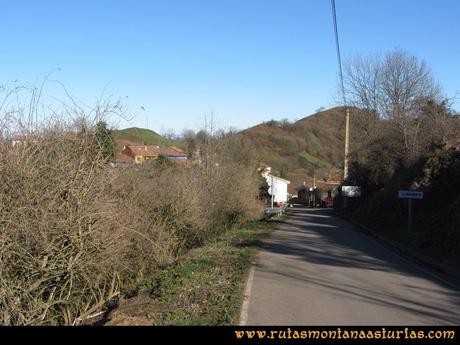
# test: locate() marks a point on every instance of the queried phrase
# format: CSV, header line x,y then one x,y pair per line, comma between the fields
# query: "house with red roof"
x,y
138,153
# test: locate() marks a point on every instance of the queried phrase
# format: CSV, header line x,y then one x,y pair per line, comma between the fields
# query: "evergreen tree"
x,y
105,140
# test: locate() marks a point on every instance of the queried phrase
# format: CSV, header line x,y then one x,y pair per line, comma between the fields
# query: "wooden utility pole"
x,y
347,141
314,176
272,192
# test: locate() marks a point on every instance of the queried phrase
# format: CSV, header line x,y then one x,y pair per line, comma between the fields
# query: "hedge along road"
x,y
316,269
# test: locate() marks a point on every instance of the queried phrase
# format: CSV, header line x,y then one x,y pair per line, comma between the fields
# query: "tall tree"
x,y
392,88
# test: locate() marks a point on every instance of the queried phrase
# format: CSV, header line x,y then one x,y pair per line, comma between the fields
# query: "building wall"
x,y
142,158
280,188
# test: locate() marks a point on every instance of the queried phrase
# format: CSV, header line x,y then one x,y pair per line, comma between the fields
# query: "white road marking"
x,y
247,297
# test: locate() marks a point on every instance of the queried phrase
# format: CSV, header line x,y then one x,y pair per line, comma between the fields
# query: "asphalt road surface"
x,y
316,269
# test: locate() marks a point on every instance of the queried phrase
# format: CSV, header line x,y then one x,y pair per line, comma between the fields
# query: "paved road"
x,y
317,270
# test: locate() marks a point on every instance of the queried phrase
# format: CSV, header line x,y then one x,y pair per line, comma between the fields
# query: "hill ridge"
x,y
312,145
140,135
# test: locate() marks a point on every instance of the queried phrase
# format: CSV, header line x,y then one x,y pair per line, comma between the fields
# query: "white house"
x,y
17,140
278,186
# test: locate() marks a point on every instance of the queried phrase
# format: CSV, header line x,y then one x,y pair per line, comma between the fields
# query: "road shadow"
x,y
318,237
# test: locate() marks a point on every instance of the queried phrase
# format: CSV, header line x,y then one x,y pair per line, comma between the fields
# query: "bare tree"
x,y
362,79
170,134
393,88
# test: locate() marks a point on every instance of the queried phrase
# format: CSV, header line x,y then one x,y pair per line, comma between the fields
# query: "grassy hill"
x,y
296,150
313,144
141,135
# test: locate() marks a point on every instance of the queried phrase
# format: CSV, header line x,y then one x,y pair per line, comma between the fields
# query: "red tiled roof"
x,y
23,137
327,185
172,151
144,150
120,143
128,152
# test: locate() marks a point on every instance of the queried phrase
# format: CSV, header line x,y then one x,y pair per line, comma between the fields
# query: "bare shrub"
x,y
76,233
55,217
186,206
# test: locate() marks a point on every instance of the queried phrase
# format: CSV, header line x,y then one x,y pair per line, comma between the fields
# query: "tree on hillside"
x,y
438,124
170,134
393,88
320,109
189,138
263,189
105,140
391,85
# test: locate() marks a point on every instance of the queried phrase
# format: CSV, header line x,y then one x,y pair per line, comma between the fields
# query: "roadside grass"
x,y
205,287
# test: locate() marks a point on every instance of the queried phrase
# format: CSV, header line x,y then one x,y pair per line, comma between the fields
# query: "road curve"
x,y
316,269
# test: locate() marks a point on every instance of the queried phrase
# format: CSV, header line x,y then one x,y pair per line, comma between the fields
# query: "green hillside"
x,y
314,144
297,150
309,159
141,135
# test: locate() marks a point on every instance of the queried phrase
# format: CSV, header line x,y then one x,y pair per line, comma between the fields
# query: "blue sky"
x,y
247,61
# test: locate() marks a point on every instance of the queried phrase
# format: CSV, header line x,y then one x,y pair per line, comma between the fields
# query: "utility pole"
x,y
314,185
347,141
272,191
314,176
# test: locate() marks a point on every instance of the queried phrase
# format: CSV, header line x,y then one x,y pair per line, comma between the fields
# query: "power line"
x,y
347,116
334,17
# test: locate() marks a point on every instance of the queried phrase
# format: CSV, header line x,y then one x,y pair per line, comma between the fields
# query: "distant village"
x,y
137,153
126,151
313,192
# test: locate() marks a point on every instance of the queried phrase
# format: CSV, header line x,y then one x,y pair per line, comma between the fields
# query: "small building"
x,y
141,153
18,140
174,153
319,192
278,187
138,153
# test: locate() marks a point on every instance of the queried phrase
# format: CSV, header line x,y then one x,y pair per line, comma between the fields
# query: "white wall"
x,y
279,188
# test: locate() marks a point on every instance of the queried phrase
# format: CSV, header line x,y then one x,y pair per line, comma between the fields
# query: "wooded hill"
x,y
296,149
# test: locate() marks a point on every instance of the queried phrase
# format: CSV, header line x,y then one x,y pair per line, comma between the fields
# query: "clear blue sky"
x,y
245,60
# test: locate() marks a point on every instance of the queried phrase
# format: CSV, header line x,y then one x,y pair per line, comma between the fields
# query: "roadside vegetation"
x,y
77,235
204,287
409,138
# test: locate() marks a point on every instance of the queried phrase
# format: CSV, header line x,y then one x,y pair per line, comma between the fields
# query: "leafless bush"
x,y
55,220
58,219
184,207
75,233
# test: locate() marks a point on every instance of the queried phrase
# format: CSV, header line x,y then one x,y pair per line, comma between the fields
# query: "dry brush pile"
x,y
75,233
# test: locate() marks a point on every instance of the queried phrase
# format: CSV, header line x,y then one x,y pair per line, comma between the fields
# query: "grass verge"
x,y
204,287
